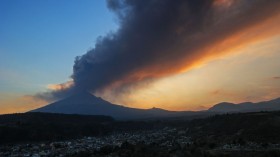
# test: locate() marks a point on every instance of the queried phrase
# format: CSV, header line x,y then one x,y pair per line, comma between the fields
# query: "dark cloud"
x,y
158,38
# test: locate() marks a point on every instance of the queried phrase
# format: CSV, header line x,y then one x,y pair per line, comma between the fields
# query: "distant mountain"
x,y
87,104
271,105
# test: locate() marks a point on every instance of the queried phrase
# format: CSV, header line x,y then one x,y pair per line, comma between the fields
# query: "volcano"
x,y
85,103
272,105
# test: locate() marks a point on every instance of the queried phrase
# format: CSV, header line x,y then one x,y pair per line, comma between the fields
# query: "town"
x,y
169,138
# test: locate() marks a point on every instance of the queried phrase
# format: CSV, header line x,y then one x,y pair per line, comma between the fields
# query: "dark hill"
x,y
271,105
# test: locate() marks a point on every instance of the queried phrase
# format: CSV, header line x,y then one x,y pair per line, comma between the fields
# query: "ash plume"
x,y
159,38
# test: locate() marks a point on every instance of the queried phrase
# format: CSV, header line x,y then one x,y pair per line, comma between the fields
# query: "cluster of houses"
x,y
165,137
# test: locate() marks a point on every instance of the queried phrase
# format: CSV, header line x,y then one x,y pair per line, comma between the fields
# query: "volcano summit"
x,y
87,104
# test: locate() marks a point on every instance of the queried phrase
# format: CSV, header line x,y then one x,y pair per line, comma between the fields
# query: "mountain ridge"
x,y
85,103
270,105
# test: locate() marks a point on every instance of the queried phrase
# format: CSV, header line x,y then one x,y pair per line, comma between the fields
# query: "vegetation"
x,y
207,134
237,128
28,127
141,150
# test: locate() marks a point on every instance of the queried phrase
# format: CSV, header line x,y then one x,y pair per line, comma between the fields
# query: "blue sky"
x,y
39,40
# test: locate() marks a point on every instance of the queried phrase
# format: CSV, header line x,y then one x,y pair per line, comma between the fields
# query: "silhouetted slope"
x,y
271,105
88,104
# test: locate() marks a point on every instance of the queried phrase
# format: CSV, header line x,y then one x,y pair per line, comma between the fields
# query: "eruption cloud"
x,y
159,38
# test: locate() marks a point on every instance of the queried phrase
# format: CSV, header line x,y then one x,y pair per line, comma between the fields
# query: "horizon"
x,y
177,56
214,105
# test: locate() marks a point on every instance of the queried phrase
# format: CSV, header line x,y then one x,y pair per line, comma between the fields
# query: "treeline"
x,y
37,127
29,127
261,127
154,150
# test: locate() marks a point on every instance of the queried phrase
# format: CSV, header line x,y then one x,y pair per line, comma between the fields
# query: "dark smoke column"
x,y
158,38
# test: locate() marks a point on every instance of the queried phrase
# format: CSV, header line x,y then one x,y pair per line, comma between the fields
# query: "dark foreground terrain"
x,y
232,135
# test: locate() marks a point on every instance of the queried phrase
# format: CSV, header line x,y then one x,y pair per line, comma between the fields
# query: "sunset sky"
x,y
184,56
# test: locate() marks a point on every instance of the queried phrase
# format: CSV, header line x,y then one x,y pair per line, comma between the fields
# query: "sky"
x,y
40,40
139,53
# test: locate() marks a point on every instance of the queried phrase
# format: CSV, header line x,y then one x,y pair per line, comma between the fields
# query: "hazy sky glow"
x,y
248,75
39,41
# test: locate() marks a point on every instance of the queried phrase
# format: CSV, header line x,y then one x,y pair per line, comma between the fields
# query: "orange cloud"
x,y
223,3
251,34
61,86
150,46
244,74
